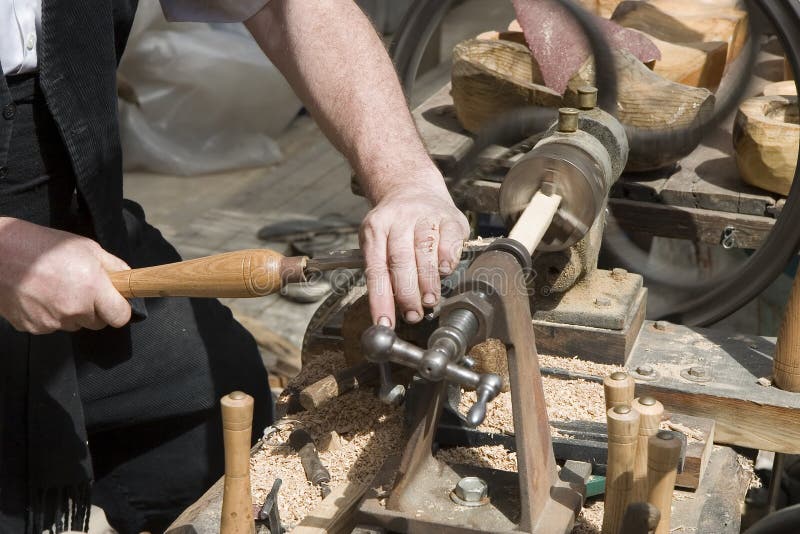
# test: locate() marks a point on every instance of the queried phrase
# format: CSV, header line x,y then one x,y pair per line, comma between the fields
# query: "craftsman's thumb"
x,y
111,263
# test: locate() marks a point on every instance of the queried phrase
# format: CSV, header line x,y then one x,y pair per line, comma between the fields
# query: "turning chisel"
x,y
240,274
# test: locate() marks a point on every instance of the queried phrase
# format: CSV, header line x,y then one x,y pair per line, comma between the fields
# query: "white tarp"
x,y
208,99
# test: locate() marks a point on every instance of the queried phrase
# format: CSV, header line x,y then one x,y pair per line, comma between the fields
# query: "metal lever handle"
x,y
389,392
381,345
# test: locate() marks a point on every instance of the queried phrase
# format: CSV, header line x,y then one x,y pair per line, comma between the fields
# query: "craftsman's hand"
x,y
413,234
52,280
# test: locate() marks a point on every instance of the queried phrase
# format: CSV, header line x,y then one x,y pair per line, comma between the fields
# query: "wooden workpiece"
x,y
623,430
662,459
237,427
618,389
491,77
686,21
786,371
766,137
650,413
699,64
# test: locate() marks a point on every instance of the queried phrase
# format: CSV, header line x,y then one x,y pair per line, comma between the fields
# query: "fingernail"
x,y
444,267
385,321
412,316
429,299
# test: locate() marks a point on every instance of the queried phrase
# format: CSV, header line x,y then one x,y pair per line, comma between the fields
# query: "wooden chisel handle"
x,y
237,502
243,273
786,371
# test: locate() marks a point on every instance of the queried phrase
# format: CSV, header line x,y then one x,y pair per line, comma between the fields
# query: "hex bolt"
x,y
660,325
645,370
471,491
568,120
587,97
618,274
602,302
699,372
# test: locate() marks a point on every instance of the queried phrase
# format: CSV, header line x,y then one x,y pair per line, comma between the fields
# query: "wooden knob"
x,y
618,388
237,502
243,273
663,452
786,365
623,432
650,414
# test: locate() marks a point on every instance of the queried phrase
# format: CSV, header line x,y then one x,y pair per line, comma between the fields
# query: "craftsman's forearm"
x,y
336,62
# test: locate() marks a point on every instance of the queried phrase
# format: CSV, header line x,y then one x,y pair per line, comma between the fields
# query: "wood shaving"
x,y
748,466
691,434
764,381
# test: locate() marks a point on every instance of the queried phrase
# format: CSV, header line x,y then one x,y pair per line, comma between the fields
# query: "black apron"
x,y
126,418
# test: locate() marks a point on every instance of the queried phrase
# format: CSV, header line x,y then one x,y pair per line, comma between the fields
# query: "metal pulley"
x,y
579,159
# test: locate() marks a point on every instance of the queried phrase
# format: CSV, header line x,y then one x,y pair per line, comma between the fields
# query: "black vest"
x,y
80,45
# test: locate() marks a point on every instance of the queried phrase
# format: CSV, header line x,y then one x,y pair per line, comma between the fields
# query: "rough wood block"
x,y
766,137
698,64
686,21
490,78
785,88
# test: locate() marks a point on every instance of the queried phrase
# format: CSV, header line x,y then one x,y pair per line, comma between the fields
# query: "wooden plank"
x,y
747,414
698,225
336,512
446,140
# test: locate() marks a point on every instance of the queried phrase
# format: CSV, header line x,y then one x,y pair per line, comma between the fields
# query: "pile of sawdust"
x,y
371,432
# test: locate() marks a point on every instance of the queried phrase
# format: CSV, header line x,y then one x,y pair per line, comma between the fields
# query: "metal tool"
x,y
269,511
316,473
240,274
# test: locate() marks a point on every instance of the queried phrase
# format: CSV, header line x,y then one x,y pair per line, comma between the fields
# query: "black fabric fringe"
x,y
60,510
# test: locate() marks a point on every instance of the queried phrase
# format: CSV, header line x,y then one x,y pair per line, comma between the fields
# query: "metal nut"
x,y
471,491
660,325
645,370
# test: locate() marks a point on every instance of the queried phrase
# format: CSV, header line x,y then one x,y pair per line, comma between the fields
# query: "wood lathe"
x,y
706,386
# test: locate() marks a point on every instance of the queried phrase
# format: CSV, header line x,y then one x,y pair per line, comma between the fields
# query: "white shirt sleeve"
x,y
211,10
